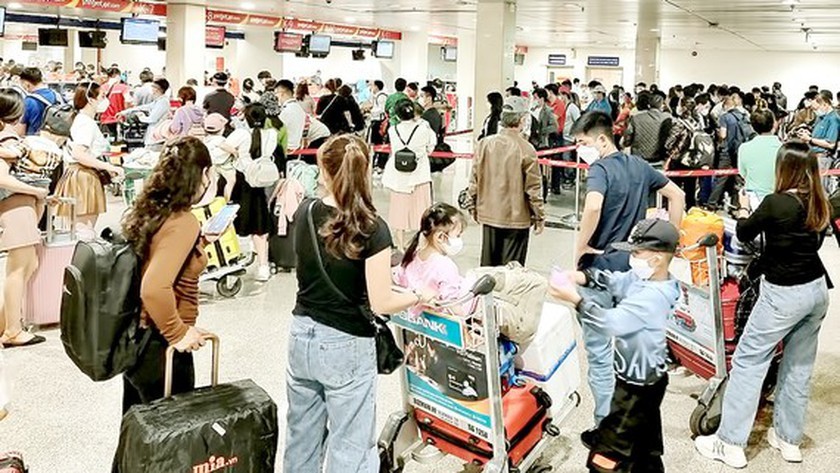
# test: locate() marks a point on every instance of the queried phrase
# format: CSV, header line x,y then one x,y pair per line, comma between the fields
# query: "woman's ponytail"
x,y
345,159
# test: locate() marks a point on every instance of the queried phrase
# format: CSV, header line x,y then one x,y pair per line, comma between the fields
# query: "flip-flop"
x,y
36,339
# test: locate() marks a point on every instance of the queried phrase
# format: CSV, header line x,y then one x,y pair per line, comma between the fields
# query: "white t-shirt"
x,y
86,133
294,118
317,130
422,143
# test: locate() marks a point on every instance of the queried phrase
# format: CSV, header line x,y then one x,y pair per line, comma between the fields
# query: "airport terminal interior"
x,y
777,60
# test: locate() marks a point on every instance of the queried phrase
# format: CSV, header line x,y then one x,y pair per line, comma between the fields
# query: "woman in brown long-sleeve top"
x,y
170,242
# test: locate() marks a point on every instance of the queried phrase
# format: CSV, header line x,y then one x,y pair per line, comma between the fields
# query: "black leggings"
x,y
144,383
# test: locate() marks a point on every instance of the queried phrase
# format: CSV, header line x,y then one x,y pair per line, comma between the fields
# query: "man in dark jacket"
x,y
220,100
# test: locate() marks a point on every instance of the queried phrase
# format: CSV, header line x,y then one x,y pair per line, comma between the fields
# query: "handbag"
x,y
389,357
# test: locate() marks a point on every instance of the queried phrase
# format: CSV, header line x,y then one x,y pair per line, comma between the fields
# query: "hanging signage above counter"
x,y
608,61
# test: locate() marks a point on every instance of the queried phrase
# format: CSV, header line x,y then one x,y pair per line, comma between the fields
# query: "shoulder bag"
x,y
389,357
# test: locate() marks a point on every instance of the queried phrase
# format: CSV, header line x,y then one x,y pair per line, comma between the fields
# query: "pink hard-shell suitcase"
x,y
42,304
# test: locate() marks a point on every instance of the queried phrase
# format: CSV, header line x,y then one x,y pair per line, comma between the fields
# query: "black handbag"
x,y
389,357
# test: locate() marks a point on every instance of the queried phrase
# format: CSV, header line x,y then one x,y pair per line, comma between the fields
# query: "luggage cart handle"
x,y
170,355
705,241
482,287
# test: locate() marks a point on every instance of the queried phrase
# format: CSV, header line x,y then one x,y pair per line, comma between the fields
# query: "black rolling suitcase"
x,y
223,427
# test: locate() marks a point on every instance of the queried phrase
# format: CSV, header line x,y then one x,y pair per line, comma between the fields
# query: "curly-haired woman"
x,y
170,242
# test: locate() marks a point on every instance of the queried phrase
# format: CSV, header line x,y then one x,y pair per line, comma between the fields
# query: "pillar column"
x,y
414,57
494,43
184,43
256,53
647,59
465,77
70,50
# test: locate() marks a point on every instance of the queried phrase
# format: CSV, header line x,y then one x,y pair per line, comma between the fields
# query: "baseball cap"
x,y
653,235
599,89
220,78
214,122
515,104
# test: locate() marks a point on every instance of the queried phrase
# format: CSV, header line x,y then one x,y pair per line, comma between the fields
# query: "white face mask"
x,y
102,105
454,246
588,154
641,267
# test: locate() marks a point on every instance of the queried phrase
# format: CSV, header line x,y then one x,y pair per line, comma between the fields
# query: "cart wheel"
x,y
700,422
551,429
229,286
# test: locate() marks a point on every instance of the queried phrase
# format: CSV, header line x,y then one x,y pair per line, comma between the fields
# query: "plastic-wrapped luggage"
x,y
525,411
695,225
224,427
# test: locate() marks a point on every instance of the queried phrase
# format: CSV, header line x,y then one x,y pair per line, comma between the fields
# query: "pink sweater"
x,y
438,274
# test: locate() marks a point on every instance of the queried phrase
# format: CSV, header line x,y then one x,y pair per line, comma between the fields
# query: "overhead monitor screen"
x,y
214,36
52,37
92,39
384,49
319,44
287,42
450,53
140,31
2,21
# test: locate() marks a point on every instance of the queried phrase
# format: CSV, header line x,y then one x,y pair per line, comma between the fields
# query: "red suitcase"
x,y
525,412
42,304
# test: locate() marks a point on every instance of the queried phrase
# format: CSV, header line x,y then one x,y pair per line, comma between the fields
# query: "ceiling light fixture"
x,y
350,20
248,5
654,30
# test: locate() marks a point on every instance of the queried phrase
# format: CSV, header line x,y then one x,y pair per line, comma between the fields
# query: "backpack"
x,y
100,307
305,174
700,152
59,100
405,160
12,462
745,132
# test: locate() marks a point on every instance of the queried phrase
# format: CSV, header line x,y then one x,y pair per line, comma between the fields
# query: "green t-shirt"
x,y
392,102
757,164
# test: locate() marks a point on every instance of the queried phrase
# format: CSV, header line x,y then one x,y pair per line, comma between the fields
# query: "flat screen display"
x,y
320,44
214,36
449,53
52,37
384,49
2,21
140,31
92,39
287,42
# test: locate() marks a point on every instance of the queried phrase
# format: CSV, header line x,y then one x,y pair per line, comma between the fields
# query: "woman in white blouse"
x,y
86,167
411,192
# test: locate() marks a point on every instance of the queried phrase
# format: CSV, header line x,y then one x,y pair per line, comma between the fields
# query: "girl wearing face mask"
x,y
427,264
81,180
170,242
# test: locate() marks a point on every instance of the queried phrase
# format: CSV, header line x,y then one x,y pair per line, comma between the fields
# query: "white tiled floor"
x,y
65,423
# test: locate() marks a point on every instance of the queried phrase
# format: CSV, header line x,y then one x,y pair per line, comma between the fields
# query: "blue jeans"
x,y
331,389
600,356
789,314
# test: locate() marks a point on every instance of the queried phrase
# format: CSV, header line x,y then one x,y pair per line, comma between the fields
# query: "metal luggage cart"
x,y
400,441
697,339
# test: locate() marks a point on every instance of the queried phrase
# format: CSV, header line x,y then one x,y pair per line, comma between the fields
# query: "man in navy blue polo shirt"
x,y
617,190
38,99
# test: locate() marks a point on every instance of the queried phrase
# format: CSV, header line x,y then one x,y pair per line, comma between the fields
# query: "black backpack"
x,y
405,160
100,307
59,102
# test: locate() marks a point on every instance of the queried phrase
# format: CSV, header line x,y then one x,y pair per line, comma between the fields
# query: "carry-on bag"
x,y
525,412
43,294
222,427
281,248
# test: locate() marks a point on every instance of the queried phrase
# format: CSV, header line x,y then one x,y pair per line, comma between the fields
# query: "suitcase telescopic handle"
x,y
170,355
51,214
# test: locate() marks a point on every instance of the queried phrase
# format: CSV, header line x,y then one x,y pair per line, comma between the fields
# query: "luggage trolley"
x,y
453,394
703,333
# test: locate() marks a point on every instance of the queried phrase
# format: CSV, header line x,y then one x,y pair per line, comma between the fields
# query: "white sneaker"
x,y
263,273
712,447
790,452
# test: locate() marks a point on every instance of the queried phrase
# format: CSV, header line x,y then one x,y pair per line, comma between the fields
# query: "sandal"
x,y
9,342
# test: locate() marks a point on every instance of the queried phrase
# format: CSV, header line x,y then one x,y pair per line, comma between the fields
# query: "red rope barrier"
x,y
459,132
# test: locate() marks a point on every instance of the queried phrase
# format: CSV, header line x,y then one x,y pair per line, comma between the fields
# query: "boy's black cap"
x,y
653,235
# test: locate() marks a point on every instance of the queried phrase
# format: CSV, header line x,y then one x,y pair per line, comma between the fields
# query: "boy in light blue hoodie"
x,y
632,307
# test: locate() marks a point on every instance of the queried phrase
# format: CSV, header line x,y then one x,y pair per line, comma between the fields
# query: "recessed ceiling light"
x,y
350,19
15,6
572,6
248,5
415,28
654,30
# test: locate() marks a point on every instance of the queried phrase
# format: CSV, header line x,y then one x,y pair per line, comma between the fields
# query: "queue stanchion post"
x,y
572,221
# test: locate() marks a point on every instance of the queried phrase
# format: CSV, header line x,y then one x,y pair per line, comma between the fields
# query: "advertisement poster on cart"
x,y
692,324
448,383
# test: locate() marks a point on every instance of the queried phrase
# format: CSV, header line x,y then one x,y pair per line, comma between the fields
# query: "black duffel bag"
x,y
222,427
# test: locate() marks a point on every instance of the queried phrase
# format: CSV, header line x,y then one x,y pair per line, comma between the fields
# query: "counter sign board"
x,y
556,59
608,61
